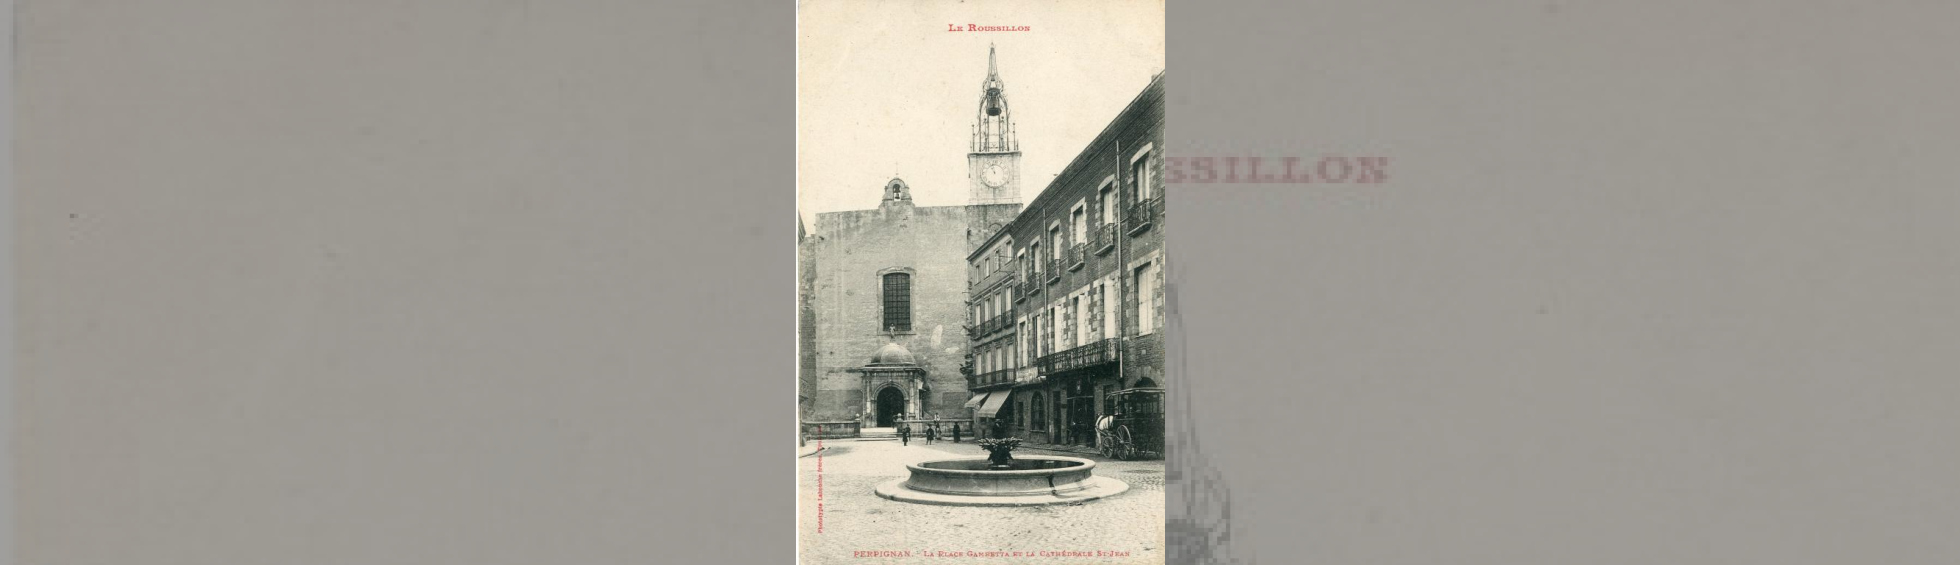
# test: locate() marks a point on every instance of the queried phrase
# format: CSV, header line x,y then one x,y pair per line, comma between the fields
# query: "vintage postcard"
x,y
980,261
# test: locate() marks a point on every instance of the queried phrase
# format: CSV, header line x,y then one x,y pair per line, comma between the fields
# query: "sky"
x,y
884,90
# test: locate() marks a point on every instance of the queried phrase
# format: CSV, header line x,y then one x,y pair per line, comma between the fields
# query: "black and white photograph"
x,y
981,290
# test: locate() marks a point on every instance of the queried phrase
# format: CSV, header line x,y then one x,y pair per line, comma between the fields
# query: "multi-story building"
x,y
1066,302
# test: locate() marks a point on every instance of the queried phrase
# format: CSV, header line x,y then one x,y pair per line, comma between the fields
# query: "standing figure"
x,y
904,432
956,432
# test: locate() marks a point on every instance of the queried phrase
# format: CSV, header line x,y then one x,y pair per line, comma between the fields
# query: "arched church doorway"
x,y
891,403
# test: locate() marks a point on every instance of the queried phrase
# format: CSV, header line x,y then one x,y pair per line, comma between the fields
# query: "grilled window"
x,y
898,302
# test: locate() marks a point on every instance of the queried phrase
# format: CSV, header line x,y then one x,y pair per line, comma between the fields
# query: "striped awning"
x,y
994,402
977,399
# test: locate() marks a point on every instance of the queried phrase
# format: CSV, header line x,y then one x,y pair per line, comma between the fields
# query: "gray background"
x,y
1651,282
465,282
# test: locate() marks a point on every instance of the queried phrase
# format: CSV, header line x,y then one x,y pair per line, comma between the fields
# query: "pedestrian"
x,y
956,432
904,432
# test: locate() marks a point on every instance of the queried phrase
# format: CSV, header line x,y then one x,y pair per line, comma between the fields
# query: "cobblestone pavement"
x,y
854,519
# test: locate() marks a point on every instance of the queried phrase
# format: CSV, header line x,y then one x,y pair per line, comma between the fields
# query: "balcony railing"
x,y
1142,215
991,378
1105,238
1055,270
989,327
1027,288
1077,255
1095,353
990,279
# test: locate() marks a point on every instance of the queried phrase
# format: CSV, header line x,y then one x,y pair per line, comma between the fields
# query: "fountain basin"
x,y
1029,481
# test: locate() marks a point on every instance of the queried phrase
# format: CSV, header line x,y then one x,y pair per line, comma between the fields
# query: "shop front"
x,y
1077,383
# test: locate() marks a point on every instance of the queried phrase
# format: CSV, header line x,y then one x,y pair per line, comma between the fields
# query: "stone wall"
x,y
850,252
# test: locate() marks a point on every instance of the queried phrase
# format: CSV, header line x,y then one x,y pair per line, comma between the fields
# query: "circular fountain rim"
x,y
1090,487
1086,466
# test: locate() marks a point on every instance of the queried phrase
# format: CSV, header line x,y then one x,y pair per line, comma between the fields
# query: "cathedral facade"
x,y
883,291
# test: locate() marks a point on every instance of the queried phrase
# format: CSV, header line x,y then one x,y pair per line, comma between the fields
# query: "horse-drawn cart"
x,y
1138,428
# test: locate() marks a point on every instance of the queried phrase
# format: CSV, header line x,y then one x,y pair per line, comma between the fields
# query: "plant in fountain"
x,y
998,450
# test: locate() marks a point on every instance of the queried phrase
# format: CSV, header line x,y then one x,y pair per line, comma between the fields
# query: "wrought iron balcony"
x,y
1099,352
991,378
1142,215
993,278
990,327
1077,255
1055,270
1105,238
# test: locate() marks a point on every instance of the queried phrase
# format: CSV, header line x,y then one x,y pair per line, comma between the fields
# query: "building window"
x,y
1055,240
1107,197
1020,340
1146,283
898,302
1140,176
1079,221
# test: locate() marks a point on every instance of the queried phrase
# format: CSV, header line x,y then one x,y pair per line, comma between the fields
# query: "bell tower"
x,y
994,163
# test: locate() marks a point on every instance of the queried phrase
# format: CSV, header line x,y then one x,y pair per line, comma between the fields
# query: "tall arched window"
x,y
898,302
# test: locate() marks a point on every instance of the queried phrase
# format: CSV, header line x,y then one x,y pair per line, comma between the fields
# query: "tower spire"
x,y
993,127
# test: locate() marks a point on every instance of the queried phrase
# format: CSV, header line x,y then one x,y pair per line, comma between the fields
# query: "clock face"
x,y
994,176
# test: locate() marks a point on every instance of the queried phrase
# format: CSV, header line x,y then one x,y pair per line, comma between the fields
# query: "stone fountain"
x,y
1002,480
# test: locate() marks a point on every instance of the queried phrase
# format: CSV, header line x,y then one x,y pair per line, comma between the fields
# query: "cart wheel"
x,y
1126,449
